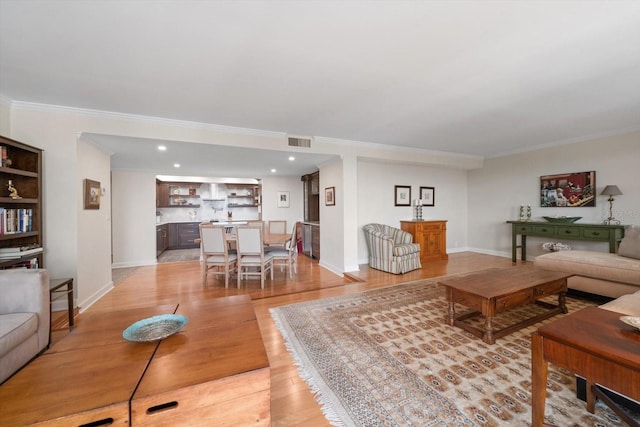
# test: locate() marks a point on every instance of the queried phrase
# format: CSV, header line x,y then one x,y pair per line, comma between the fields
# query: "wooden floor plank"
x,y
292,403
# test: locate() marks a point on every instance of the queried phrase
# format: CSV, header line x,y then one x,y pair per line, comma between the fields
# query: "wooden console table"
x,y
432,236
214,371
611,234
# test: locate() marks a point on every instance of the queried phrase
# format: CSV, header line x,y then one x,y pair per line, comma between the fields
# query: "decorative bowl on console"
x,y
562,219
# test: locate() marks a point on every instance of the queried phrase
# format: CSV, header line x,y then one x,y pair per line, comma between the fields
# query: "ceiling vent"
x,y
299,142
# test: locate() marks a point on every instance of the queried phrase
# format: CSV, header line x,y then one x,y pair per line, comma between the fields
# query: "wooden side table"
x,y
59,288
594,344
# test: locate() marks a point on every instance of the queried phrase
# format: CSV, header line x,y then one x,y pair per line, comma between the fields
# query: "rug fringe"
x,y
326,405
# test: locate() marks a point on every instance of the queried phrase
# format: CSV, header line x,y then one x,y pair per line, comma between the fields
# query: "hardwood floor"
x,y
292,403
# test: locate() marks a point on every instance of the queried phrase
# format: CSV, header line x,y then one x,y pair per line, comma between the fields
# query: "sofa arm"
x,y
27,291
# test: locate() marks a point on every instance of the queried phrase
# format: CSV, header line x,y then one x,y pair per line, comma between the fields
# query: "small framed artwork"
x,y
330,196
428,196
91,194
283,199
403,195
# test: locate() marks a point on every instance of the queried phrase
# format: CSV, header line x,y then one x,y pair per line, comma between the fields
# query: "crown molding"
x,y
49,108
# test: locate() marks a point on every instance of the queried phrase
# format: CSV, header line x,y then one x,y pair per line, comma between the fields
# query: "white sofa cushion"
x,y
15,328
630,244
599,265
626,304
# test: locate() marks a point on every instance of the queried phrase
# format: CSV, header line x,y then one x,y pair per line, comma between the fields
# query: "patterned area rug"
x,y
386,357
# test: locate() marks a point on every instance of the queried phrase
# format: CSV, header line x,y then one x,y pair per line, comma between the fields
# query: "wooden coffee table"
x,y
215,371
489,292
594,344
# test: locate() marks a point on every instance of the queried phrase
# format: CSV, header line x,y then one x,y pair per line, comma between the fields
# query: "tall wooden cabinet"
x,y
311,196
20,214
432,236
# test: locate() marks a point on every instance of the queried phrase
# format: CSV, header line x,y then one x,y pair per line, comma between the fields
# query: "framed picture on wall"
x,y
428,196
403,195
568,190
91,194
283,199
330,196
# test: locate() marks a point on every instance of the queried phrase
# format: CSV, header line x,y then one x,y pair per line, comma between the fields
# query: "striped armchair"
x,y
391,249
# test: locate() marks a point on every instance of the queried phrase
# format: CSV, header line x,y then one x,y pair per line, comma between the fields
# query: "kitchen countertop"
x,y
198,221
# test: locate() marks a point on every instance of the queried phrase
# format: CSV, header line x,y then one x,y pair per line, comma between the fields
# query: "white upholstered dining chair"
x,y
277,227
215,253
252,259
287,255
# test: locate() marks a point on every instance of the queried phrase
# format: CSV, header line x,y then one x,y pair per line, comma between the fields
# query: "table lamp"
x,y
611,190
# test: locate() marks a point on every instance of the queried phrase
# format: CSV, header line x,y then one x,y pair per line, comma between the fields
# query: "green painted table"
x,y
611,234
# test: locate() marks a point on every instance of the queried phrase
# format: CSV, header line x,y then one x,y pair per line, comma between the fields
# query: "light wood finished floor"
x,y
292,404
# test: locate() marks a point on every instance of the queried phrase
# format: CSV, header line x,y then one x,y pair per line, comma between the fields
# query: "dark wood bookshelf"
x,y
25,173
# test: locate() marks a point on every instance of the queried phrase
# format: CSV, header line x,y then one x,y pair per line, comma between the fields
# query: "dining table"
x,y
268,239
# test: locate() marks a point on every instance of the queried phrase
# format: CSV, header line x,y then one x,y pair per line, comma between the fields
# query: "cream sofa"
x,y
24,318
600,273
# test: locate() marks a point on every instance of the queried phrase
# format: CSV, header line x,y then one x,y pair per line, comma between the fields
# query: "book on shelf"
x,y
3,154
29,263
16,255
15,220
13,249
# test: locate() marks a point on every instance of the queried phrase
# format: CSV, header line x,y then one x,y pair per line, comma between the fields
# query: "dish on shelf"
x,y
154,328
631,321
562,219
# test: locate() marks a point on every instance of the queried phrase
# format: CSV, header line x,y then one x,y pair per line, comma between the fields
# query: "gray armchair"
x,y
25,317
391,249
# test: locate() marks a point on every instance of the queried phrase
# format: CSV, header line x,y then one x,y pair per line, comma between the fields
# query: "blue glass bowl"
x,y
154,328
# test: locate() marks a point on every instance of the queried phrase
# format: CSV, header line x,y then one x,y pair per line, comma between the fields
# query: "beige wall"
x,y
94,226
57,130
5,117
476,208
497,190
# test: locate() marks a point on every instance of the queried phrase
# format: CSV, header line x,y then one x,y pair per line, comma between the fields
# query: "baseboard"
x,y
141,263
84,305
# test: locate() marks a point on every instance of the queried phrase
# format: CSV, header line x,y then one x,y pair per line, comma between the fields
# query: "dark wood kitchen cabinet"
x,y
162,238
182,235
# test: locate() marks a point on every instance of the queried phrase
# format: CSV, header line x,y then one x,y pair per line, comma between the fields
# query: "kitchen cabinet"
x,y
162,238
177,194
243,196
432,236
311,196
182,235
311,240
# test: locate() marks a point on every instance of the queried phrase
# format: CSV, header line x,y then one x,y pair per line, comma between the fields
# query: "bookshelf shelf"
x,y
22,165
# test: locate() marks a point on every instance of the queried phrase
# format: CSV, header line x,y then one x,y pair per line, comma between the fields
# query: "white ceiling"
x,y
482,78
202,160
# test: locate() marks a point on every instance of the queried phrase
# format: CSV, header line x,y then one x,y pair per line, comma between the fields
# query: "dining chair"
x,y
215,253
287,255
252,259
277,227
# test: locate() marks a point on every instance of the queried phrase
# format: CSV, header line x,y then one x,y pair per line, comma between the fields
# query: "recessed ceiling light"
x,y
176,165
291,158
273,171
162,148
